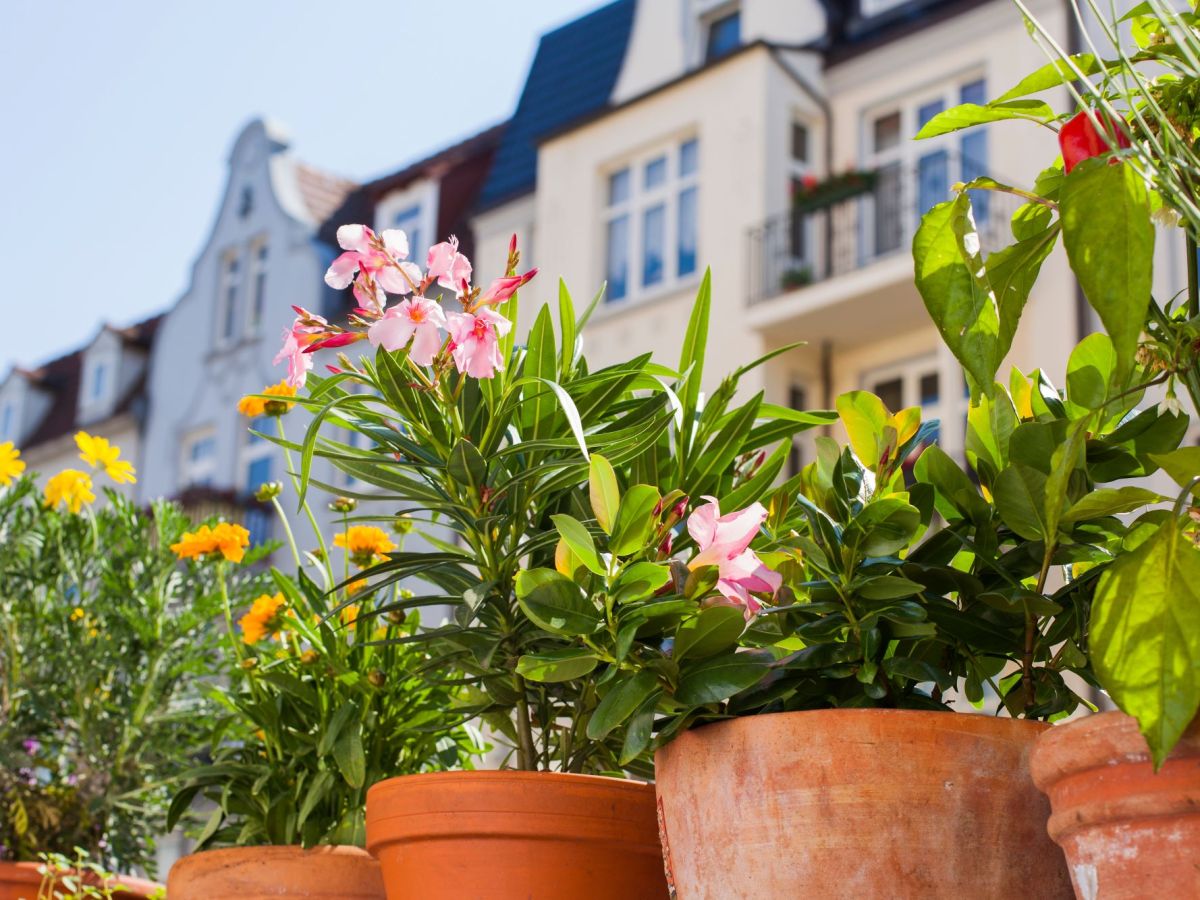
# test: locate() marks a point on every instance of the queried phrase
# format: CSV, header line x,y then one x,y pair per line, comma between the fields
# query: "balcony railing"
x,y
800,248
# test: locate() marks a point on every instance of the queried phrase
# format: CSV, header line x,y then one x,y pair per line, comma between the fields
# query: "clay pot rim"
x,y
9,868
505,776
276,850
1098,741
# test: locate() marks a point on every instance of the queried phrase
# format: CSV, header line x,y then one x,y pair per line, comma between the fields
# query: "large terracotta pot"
x,y
1127,832
258,873
515,836
862,803
20,881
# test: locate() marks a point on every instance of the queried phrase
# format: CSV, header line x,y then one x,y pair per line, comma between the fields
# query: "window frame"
x,y
641,200
191,472
253,449
229,283
909,372
258,276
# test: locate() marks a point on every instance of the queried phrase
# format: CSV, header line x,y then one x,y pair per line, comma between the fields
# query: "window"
x,y
199,459
911,383
799,176
651,227
875,7
408,220
913,176
256,464
799,143
230,276
724,36
98,384
7,418
258,285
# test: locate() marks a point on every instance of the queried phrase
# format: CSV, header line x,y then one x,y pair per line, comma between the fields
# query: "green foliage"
x,y
562,487
330,699
104,645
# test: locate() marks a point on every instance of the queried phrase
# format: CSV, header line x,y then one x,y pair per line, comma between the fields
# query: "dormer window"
x,y
99,382
875,7
7,422
724,34
246,203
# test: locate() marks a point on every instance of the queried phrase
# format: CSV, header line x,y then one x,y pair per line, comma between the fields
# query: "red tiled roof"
x,y
322,193
62,377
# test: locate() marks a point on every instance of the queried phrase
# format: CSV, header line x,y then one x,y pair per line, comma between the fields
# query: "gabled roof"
x,y
322,192
62,378
572,76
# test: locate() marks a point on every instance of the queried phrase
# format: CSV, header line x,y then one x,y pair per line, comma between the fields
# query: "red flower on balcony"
x,y
1080,139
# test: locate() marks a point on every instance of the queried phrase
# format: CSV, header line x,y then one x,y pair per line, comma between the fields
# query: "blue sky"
x,y
118,118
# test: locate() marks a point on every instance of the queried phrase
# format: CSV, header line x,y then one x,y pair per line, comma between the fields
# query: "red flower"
x,y
1080,139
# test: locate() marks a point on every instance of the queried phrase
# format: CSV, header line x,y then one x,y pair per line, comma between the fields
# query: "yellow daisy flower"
x,y
11,464
266,617
70,487
77,613
98,453
364,543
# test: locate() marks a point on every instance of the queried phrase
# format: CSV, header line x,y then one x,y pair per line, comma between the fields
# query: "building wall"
x,y
52,457
197,375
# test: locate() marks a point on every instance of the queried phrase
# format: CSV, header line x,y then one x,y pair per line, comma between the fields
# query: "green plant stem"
x,y
526,757
312,520
1031,629
287,530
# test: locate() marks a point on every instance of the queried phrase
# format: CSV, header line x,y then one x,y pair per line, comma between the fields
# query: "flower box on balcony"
x,y
814,195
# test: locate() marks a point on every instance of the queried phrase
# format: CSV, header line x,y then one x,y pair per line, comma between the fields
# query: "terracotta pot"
x,y
1127,832
257,873
861,803
20,881
510,835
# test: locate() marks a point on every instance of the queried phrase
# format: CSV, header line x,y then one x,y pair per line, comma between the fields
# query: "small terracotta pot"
x,y
258,873
515,836
1127,832
20,881
862,803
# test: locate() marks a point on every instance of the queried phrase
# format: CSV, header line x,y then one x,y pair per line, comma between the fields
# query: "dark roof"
x,y
851,33
572,75
61,377
467,161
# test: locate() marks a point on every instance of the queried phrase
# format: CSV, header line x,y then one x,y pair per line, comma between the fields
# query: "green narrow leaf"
x,y
691,358
572,414
603,491
537,406
968,115
1109,240
1145,635
350,759
566,324
637,734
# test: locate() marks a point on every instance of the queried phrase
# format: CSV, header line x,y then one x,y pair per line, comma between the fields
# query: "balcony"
x,y
868,227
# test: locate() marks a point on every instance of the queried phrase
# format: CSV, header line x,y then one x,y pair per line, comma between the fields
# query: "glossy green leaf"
x,y
1145,635
1052,75
714,630
1091,371
968,115
1183,465
555,603
1109,502
637,734
466,466
579,539
635,520
603,491
557,665
1020,496
864,417
719,678
629,693
1109,240
639,582
350,759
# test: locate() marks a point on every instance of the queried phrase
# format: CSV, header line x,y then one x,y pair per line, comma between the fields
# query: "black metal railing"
x,y
810,245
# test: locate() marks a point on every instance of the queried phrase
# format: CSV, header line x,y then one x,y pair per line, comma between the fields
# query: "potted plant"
x,y
323,699
1123,785
813,195
102,644
495,442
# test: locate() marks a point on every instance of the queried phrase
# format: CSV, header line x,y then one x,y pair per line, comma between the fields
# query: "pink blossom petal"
x,y
399,280
391,332
342,271
425,345
355,237
396,242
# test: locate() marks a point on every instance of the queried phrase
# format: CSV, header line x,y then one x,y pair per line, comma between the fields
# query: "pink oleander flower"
x,y
451,268
418,320
724,542
306,330
503,288
474,341
378,258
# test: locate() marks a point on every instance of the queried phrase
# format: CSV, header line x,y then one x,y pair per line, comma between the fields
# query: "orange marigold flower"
x,y
252,407
363,543
225,538
349,614
355,587
266,617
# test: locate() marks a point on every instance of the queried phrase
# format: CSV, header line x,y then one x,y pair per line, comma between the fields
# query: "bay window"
x,y
651,228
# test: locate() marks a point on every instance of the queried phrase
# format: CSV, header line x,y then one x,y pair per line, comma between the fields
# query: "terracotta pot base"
x,y
1128,833
515,836
870,804
261,873
20,881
